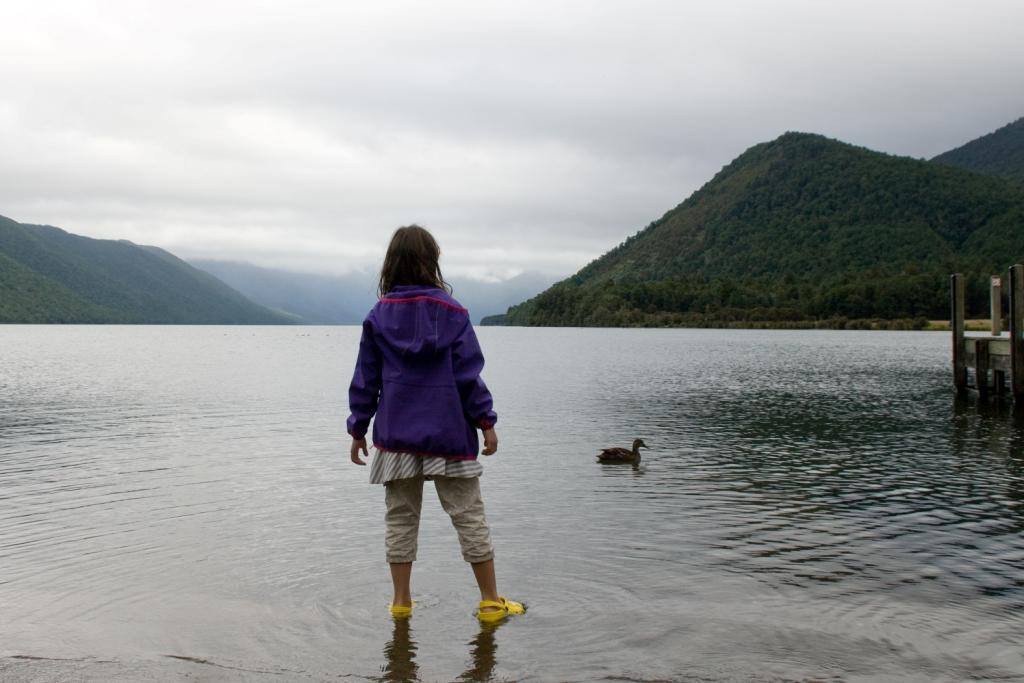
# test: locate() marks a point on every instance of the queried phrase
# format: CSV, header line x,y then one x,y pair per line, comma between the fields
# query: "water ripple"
x,y
814,506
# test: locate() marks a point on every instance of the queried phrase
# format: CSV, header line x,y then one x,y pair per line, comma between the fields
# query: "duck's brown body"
x,y
622,454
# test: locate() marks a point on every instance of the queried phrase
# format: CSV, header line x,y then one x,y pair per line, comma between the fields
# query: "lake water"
x,y
177,503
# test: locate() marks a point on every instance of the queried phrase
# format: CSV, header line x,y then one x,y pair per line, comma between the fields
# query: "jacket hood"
x,y
418,321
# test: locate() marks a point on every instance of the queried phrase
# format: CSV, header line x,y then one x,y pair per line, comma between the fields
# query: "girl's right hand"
x,y
358,445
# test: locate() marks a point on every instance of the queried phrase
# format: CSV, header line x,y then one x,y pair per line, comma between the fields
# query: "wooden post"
x,y
981,364
956,324
996,306
1017,330
999,382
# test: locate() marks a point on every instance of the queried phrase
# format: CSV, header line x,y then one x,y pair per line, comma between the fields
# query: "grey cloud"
x,y
528,135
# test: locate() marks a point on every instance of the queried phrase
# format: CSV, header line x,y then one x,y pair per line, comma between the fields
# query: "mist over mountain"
x,y
318,299
345,299
48,275
1000,153
801,228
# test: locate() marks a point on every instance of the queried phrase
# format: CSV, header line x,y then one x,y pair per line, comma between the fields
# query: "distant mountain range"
x,y
345,299
1000,153
806,228
48,275
803,228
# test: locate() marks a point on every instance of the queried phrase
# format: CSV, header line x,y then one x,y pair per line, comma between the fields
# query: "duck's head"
x,y
639,443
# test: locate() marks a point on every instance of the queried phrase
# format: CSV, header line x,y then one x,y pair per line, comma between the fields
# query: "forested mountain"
x,y
48,275
345,299
801,228
1000,153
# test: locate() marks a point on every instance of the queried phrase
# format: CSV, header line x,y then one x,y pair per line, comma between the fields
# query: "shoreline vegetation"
x,y
836,323
975,325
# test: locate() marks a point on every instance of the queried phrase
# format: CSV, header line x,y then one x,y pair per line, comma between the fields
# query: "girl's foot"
x,y
400,611
496,610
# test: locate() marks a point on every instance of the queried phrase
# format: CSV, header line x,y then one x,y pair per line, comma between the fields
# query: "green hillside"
x,y
802,228
50,276
1000,153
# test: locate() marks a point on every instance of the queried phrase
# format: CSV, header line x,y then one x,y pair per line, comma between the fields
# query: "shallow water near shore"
x,y
177,503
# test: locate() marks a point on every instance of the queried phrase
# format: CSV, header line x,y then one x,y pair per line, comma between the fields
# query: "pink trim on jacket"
x,y
411,299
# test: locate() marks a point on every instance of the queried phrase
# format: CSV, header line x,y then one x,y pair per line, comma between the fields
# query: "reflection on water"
x,y
400,655
483,655
997,426
177,502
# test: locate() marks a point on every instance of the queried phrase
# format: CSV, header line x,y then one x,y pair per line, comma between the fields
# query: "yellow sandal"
x,y
504,608
400,611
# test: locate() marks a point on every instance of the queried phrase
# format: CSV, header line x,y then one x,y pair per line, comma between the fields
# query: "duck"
x,y
622,454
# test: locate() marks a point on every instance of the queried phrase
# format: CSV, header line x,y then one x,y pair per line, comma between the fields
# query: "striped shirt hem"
x,y
388,466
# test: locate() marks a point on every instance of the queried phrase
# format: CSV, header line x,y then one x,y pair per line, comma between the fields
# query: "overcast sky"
x,y
526,135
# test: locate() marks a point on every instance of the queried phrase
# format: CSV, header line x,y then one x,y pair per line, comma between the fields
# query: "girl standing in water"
x,y
418,371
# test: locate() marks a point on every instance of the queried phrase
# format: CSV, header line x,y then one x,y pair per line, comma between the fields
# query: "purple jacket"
x,y
419,371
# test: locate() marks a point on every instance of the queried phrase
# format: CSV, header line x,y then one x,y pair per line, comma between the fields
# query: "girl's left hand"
x,y
490,441
358,445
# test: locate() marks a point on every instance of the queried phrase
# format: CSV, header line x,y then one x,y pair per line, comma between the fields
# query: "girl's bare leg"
x,y
484,573
401,573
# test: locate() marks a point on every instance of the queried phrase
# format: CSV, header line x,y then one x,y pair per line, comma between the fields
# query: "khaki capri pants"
x,y
460,498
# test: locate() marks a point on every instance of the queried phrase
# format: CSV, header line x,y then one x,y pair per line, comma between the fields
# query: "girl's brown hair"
x,y
412,259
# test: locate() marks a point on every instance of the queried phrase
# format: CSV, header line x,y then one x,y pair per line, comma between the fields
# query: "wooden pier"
x,y
993,357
